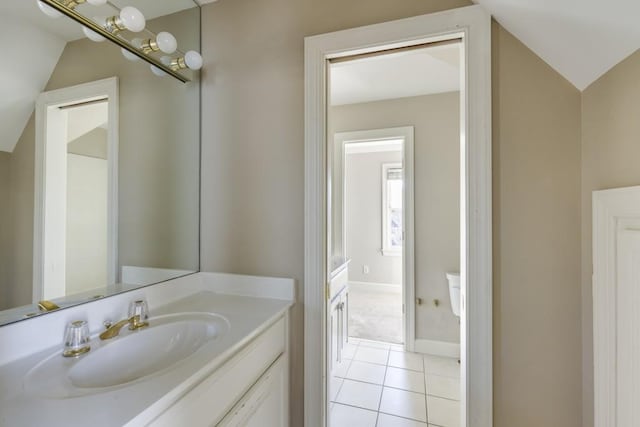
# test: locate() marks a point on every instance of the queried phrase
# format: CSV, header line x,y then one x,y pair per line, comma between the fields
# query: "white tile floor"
x,y
381,385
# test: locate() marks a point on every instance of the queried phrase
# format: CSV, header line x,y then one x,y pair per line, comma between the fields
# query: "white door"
x,y
628,328
616,298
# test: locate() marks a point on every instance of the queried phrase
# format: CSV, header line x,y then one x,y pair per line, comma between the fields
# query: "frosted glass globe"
x,y
130,56
166,42
48,10
92,35
132,19
193,60
157,71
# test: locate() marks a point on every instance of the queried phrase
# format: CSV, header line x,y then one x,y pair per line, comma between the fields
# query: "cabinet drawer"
x,y
209,401
265,404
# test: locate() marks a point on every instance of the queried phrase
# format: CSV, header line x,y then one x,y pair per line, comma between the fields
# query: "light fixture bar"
x,y
82,20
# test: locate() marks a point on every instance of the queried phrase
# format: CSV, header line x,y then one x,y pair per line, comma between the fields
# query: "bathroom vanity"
x,y
215,353
338,310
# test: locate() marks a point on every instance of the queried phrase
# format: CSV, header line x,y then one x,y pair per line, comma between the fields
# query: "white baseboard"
x,y
374,284
437,348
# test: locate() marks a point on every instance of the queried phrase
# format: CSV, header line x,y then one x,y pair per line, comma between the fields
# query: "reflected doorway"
x,y
75,229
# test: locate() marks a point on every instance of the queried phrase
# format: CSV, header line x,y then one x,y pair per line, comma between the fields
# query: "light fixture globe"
x,y
157,71
166,42
92,35
193,60
48,10
132,19
130,56
97,2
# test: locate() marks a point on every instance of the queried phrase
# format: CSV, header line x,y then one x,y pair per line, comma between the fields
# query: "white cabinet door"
x,y
266,403
345,316
334,332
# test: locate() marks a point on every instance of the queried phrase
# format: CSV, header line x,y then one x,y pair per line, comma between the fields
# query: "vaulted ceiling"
x,y
580,39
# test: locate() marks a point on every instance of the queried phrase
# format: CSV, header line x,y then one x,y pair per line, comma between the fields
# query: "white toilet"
x,y
454,292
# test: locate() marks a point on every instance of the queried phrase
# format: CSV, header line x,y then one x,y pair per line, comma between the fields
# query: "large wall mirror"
x,y
99,161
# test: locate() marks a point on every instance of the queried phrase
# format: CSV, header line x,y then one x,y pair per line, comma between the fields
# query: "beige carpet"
x,y
375,312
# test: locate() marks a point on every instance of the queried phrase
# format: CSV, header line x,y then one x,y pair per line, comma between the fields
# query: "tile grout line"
x,y
382,389
394,388
424,375
401,416
342,384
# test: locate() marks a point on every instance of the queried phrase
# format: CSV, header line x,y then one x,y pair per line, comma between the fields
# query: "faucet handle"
x,y
139,308
107,323
76,339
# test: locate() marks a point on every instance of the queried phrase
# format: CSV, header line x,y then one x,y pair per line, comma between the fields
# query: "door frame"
x,y
610,210
473,25
47,256
406,133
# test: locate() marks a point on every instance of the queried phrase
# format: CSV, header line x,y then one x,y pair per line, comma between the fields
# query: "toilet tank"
x,y
454,292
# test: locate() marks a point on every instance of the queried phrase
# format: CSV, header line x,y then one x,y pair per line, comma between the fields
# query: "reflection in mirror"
x,y
86,237
99,162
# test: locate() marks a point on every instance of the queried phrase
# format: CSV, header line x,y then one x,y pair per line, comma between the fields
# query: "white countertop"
x,y
247,315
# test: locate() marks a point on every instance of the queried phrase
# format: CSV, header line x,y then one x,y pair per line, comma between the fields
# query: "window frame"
x,y
387,249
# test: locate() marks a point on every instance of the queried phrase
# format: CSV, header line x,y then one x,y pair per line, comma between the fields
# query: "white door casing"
x,y
406,134
473,25
49,230
616,297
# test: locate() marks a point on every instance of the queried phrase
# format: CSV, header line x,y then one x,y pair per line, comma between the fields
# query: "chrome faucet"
x,y
138,314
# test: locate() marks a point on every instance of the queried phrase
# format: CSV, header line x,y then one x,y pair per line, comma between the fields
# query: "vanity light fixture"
x,y
129,20
164,42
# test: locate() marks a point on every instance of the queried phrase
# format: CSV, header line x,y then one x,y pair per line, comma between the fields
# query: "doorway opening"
x,y
75,243
472,27
394,239
374,214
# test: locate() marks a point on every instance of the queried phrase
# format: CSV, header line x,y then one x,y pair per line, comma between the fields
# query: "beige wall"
x,y
436,122
610,158
536,184
18,284
363,198
5,225
158,160
253,175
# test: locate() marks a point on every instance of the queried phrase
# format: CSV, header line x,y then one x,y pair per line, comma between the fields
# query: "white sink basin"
x,y
133,356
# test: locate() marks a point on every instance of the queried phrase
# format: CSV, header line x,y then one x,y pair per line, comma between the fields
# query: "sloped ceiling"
x,y
84,119
34,52
581,39
396,75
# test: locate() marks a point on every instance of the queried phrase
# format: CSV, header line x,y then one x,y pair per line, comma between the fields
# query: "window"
x,y
392,201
